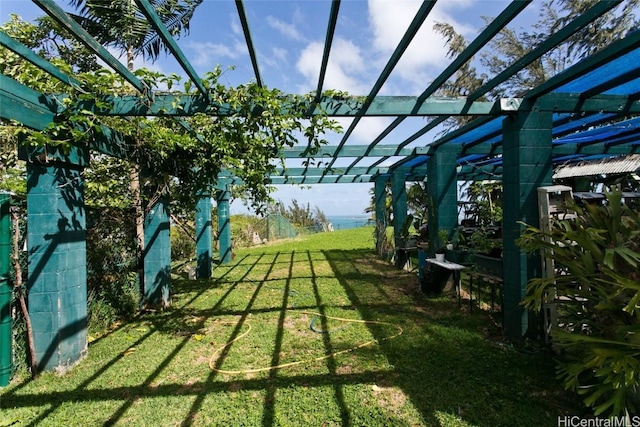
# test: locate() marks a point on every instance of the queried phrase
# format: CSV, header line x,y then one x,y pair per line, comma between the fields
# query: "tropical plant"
x,y
388,204
597,295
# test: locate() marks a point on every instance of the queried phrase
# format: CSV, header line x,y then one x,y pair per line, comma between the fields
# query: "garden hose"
x,y
213,358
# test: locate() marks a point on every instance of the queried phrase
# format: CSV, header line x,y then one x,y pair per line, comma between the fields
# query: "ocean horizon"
x,y
345,222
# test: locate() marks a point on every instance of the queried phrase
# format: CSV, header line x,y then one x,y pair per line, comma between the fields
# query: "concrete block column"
x,y
56,244
6,365
399,202
527,162
157,255
380,200
224,220
203,236
442,183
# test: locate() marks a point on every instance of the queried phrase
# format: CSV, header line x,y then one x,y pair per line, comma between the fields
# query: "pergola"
x,y
582,113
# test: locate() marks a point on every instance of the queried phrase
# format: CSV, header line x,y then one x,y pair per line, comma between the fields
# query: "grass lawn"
x,y
265,343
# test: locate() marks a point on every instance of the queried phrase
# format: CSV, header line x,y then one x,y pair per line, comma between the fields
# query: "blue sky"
x,y
289,40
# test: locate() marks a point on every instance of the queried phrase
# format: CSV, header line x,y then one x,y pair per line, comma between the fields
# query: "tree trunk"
x,y
20,287
136,199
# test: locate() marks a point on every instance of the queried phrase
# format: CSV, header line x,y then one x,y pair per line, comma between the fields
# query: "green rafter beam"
x,y
23,104
36,60
339,179
58,15
298,172
412,30
347,151
501,21
187,105
609,53
247,36
551,42
331,28
152,17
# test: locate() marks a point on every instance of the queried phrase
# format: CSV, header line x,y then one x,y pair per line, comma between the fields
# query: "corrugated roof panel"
x,y
609,166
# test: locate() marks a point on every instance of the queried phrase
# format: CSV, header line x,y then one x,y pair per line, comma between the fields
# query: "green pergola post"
x,y
57,262
399,203
203,236
442,183
527,166
157,255
6,365
223,196
380,200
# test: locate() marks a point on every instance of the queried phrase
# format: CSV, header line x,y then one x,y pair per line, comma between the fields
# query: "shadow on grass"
x,y
442,364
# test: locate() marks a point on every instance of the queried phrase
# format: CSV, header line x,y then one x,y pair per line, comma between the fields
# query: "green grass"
x,y
442,370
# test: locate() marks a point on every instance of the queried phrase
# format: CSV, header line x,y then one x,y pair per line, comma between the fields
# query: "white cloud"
x,y
279,54
207,53
344,71
288,30
235,26
368,128
389,21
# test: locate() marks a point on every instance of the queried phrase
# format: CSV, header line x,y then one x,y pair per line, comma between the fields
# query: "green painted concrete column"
x,y
380,200
57,263
203,236
157,255
527,166
399,203
442,184
6,365
223,196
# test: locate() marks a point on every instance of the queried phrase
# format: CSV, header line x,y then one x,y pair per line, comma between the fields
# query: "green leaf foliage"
x,y
596,292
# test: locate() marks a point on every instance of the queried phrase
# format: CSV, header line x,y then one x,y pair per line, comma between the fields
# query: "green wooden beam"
x,y
57,14
412,30
603,56
25,105
298,172
501,21
331,27
154,20
575,102
600,148
551,42
247,36
347,151
188,105
30,107
36,60
491,30
308,180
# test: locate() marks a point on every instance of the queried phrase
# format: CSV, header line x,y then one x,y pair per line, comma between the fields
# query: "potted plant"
x,y
488,252
459,251
407,240
443,242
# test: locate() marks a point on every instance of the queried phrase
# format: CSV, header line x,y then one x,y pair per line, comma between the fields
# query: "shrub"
x,y
112,284
597,296
183,246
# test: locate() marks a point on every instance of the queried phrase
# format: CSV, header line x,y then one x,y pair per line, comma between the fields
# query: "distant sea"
x,y
344,222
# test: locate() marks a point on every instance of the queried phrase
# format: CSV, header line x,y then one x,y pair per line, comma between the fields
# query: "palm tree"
x,y
120,24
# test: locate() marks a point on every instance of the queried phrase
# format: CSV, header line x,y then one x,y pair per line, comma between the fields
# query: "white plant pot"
x,y
439,257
